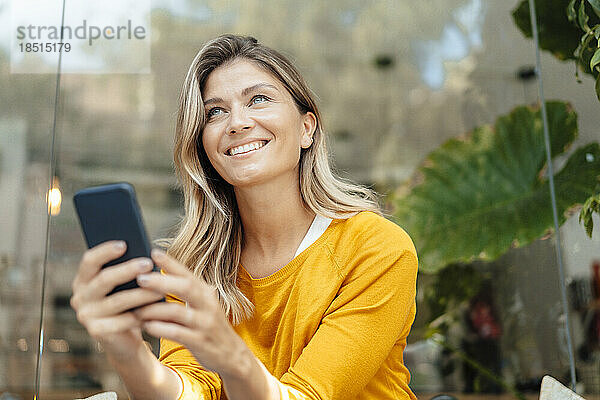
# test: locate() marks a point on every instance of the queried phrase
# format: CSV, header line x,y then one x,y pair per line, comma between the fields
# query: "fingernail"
x,y
144,264
119,245
157,253
143,279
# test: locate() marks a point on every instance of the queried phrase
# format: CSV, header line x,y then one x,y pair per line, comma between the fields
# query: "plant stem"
x,y
489,374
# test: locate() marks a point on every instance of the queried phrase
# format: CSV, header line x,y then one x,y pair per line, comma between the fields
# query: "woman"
x,y
284,281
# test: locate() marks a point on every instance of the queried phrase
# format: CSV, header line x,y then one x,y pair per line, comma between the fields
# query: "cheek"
x,y
287,125
210,146
209,142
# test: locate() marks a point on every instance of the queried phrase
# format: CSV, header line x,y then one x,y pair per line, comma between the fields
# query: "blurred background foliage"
x,y
477,196
483,193
569,32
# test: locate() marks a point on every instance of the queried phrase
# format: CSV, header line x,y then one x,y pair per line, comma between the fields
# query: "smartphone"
x,y
111,212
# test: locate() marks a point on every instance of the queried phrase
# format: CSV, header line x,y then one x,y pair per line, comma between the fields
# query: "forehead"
x,y
233,77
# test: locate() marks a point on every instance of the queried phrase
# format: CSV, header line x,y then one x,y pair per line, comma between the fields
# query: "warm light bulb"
x,y
54,198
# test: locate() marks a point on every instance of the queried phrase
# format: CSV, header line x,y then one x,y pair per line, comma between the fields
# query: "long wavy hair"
x,y
209,235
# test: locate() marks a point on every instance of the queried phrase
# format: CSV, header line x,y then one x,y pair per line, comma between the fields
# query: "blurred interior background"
x,y
400,84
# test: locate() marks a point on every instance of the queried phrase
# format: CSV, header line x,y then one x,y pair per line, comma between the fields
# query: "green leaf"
x,y
598,87
592,205
475,198
584,51
585,39
596,6
556,34
571,12
582,17
595,59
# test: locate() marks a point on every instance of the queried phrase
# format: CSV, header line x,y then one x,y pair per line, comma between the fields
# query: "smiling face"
x,y
254,131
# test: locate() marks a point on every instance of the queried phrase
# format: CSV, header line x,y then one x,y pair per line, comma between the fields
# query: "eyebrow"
x,y
245,92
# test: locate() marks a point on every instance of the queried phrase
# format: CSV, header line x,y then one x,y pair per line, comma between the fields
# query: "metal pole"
x,y
561,272
38,368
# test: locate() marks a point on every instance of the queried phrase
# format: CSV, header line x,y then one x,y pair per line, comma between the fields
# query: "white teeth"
x,y
246,148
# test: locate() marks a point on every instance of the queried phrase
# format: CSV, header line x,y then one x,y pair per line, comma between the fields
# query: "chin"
x,y
262,175
245,183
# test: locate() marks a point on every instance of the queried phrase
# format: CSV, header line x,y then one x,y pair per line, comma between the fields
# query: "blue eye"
x,y
259,99
213,111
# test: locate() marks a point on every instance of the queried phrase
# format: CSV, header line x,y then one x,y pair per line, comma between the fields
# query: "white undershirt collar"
x,y
318,226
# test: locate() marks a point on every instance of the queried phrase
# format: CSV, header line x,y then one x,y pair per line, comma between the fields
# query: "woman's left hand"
x,y
201,326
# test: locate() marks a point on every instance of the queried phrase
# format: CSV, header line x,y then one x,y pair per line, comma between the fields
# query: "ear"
x,y
309,125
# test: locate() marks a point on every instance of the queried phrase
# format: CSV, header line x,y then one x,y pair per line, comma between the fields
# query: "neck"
x,y
274,217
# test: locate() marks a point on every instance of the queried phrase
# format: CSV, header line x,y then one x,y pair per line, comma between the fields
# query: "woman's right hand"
x,y
107,318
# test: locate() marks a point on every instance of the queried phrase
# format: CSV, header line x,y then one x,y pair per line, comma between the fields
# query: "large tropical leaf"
x,y
474,198
556,33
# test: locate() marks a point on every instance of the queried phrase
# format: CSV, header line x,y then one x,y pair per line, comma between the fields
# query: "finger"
x,y
116,304
169,264
167,312
190,289
107,279
93,259
99,328
126,300
171,331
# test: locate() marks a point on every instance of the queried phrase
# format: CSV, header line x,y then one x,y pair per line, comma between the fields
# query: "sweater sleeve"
x,y
198,383
372,311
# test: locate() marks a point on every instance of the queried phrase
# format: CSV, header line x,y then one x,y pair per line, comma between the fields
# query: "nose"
x,y
239,120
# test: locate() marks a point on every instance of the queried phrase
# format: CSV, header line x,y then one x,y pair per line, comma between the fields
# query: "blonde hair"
x,y
209,235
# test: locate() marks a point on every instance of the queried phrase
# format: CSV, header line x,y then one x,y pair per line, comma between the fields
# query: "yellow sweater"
x,y
332,323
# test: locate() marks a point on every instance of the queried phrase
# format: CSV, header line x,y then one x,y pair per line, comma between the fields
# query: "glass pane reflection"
x,y
395,79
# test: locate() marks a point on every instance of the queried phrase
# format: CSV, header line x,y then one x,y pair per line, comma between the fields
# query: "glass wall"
x,y
26,132
400,85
